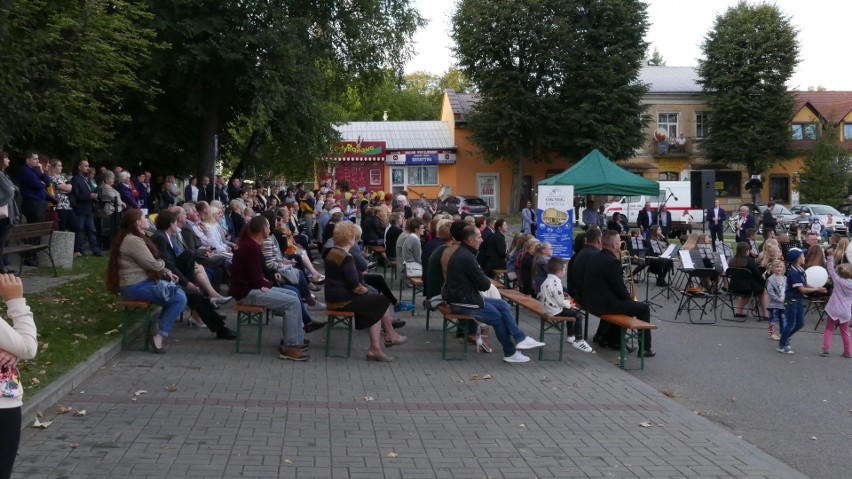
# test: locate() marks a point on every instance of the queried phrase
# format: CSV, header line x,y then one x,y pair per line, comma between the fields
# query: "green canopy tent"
x,y
595,174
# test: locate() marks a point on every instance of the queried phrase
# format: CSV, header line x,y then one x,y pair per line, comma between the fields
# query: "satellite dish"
x,y
661,135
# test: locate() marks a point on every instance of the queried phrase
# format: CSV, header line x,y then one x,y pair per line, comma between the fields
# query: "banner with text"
x,y
556,218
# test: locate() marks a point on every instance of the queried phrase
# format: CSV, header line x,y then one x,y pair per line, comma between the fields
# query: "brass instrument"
x,y
627,267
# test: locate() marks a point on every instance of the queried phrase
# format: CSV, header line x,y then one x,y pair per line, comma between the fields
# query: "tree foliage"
x,y
263,76
749,55
66,69
827,169
656,59
552,76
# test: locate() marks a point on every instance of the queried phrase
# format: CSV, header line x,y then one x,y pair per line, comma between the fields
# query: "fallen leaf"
x,y
80,413
667,394
646,424
369,398
34,381
39,414
522,425
393,454
813,438
111,331
171,388
475,377
41,425
287,461
62,409
80,336
44,347
74,445
140,392
734,399
487,376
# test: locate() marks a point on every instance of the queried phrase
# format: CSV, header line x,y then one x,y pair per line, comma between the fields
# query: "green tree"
x,y
827,169
262,76
552,76
66,69
410,97
656,59
749,55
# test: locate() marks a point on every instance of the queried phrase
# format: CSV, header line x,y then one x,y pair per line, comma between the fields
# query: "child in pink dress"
x,y
839,308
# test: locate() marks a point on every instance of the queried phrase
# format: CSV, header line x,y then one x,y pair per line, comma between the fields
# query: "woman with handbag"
x,y
17,341
136,271
410,250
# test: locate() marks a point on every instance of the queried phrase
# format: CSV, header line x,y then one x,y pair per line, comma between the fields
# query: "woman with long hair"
x,y
136,271
754,285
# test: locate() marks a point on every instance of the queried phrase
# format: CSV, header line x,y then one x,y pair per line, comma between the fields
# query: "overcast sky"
x,y
677,31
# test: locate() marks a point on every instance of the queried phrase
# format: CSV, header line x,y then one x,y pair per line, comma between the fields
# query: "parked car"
x,y
821,212
465,206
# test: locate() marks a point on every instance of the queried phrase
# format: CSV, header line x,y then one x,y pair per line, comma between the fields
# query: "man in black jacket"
x,y
645,219
577,266
486,235
165,242
462,291
769,222
84,198
604,276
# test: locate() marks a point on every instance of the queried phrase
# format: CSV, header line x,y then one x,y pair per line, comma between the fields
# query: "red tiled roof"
x,y
831,105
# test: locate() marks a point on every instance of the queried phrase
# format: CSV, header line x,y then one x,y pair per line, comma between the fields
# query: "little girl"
x,y
839,307
775,286
543,252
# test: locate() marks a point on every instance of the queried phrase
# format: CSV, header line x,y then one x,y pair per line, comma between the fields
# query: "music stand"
x,y
666,256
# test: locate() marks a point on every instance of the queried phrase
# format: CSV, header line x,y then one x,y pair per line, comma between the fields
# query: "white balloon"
x,y
817,276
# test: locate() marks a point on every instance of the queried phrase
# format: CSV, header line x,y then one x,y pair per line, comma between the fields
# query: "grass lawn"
x,y
73,320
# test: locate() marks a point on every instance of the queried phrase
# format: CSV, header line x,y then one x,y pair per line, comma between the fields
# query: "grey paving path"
x,y
257,416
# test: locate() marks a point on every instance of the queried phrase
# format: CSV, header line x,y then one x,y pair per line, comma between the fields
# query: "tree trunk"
x,y
209,128
517,181
252,147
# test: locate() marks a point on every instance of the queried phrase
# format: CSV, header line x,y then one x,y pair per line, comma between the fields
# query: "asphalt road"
x,y
798,408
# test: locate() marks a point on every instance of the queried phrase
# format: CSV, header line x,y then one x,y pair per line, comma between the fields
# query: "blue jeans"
x,y
794,321
306,318
283,302
144,291
496,313
86,228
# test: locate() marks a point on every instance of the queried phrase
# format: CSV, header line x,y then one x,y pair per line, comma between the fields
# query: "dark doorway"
x,y
527,192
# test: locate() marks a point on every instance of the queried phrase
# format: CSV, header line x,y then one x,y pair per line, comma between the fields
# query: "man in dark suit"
x,y
84,199
769,222
396,221
604,276
486,234
206,190
579,263
182,265
664,219
716,223
744,223
201,253
645,219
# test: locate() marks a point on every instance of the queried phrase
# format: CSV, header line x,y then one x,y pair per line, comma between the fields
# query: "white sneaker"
x,y
516,358
571,339
582,345
529,343
319,305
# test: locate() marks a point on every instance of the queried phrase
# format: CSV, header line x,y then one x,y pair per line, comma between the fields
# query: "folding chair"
x,y
695,297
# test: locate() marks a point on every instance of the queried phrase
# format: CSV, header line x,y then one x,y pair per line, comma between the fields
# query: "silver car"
x,y
820,212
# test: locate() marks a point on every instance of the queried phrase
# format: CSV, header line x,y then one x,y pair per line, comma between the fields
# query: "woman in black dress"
x,y
345,291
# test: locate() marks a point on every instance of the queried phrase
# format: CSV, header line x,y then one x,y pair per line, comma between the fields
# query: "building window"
x,y
423,175
729,184
669,176
668,123
804,131
847,131
702,127
779,188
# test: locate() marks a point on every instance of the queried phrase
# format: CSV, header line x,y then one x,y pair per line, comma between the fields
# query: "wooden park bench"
x,y
130,307
631,328
248,314
547,322
27,238
452,321
344,320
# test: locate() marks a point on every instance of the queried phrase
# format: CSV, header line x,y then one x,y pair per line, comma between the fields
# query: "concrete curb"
x,y
70,380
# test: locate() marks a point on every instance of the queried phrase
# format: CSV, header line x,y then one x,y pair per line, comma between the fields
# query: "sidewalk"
x,y
258,416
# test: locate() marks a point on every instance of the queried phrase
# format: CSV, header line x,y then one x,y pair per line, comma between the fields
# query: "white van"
x,y
676,195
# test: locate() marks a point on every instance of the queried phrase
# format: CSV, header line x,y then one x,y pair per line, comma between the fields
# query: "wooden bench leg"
x,y
128,318
338,322
546,326
248,318
449,324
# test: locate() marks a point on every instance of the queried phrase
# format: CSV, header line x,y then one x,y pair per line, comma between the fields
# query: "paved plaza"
x,y
207,412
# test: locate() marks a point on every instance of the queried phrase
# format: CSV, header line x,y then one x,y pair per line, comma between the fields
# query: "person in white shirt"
x,y
552,298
